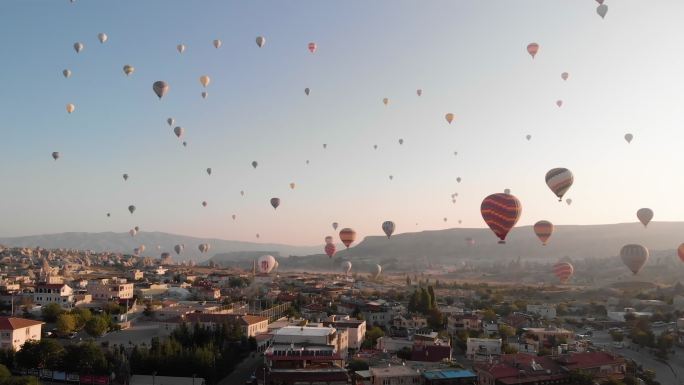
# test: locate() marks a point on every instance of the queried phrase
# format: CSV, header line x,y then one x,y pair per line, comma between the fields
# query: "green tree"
x,y
372,336
433,298
66,323
81,316
22,380
356,365
581,378
50,312
5,374
97,326
617,336
489,315
435,319
44,354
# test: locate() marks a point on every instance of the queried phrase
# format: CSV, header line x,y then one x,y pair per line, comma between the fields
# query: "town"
x,y
76,316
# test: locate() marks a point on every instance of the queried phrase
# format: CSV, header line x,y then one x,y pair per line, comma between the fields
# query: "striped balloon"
x,y
347,236
680,252
563,271
388,227
330,250
559,181
634,257
501,212
543,229
275,202
328,239
645,215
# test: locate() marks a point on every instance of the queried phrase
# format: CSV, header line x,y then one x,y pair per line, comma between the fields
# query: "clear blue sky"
x,y
468,57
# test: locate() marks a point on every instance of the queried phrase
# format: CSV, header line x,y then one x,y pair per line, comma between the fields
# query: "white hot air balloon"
x,y
629,137
602,10
70,108
346,267
218,43
204,80
66,73
265,263
102,37
180,48
78,47
260,40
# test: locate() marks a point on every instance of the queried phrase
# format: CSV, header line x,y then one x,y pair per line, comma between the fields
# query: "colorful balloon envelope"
x,y
532,49
563,271
559,181
334,225
388,227
312,47
634,257
449,117
501,212
543,230
328,239
160,88
347,236
275,202
645,215
330,249
266,263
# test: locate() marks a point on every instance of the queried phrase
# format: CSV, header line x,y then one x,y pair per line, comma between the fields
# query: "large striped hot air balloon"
x,y
388,227
330,249
559,181
347,236
543,229
563,271
634,257
501,212
645,215
275,202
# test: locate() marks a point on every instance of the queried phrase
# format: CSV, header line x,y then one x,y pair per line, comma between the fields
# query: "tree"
x,y
617,336
97,326
51,311
581,378
5,374
22,380
356,365
489,315
372,336
404,353
44,354
66,323
433,298
506,331
81,316
435,319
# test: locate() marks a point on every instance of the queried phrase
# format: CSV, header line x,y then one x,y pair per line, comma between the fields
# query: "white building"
x,y
481,349
14,332
313,336
108,289
545,311
355,327
395,375
47,293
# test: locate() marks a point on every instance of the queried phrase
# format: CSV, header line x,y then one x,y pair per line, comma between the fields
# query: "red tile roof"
x,y
14,323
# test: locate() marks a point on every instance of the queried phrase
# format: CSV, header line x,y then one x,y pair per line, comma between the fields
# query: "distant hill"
x,y
124,243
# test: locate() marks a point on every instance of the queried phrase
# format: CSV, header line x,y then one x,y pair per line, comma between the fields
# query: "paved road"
x,y
243,371
673,374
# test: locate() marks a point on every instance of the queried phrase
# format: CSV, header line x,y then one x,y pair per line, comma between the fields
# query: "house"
x,y
136,275
395,375
356,329
449,377
464,322
251,325
482,349
549,336
59,293
545,311
14,332
106,289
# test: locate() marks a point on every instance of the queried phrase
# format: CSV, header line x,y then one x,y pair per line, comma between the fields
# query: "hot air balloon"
x,y
419,92
102,37
257,235
375,147
292,185
391,177
532,49
70,108
445,219
242,192
559,103
205,94
330,249
178,131
128,69
312,47
180,48
203,247
599,1
170,121
543,230
136,251
388,227
645,215
55,155
185,144
449,117
347,236
66,73
141,248
78,47
255,164
307,161
265,264
470,241
234,216
109,215
178,249
334,225
275,202
563,271
325,145
568,201
559,181
385,101
346,267
501,212
528,137
132,232
217,43
401,141
131,208
208,170
136,228
328,239
307,91
204,203
602,10
260,40
680,252
565,76
160,88
629,137
204,80
378,270
634,257
458,179
125,177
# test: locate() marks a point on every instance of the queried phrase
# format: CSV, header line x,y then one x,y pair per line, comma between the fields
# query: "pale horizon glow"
x,y
468,57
